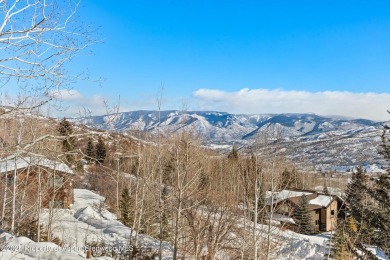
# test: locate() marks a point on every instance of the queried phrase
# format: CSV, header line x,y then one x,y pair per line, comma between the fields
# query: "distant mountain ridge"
x,y
322,140
222,126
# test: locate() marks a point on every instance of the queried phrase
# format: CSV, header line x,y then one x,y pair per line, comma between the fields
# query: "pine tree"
x,y
325,189
233,153
65,129
369,203
352,238
286,179
351,226
339,247
346,243
100,151
90,151
380,194
302,216
356,195
290,179
164,221
124,206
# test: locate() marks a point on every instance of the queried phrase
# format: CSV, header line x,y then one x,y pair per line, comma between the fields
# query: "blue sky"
x,y
239,56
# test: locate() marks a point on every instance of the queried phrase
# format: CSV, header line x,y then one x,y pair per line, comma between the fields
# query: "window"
x,y
332,212
10,179
317,222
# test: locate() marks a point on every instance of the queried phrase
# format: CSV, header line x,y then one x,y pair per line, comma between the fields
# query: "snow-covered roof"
x,y
284,194
321,200
276,197
282,218
24,162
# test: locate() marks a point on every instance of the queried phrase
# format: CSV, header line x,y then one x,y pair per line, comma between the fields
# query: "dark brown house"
x,y
38,176
325,209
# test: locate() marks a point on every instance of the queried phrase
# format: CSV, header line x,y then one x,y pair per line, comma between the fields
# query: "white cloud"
x,y
368,105
67,95
71,103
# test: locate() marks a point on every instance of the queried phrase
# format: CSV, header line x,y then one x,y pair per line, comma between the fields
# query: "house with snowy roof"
x,y
36,179
325,209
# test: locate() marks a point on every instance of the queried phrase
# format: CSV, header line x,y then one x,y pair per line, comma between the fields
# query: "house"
x,y
324,209
37,177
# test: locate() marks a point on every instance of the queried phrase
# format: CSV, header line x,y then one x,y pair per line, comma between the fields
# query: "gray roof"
x,y
276,197
10,164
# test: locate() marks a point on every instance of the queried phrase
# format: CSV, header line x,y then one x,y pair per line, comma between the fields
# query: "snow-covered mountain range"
x,y
320,140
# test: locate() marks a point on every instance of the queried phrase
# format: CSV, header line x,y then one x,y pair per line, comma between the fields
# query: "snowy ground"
x,y
293,246
83,223
296,246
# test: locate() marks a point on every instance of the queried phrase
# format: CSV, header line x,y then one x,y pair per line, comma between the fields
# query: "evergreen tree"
x,y
100,151
165,214
325,189
346,243
302,216
369,203
261,204
380,194
366,216
233,153
65,129
286,179
351,227
90,151
290,179
124,206
339,245
356,195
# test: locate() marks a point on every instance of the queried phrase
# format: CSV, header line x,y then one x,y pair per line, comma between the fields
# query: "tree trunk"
x,y
14,200
39,206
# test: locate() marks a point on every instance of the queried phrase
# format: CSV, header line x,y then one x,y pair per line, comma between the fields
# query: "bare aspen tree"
x,y
257,194
272,173
259,173
39,205
51,207
24,193
145,180
4,198
37,39
160,174
137,191
186,174
253,184
14,186
15,179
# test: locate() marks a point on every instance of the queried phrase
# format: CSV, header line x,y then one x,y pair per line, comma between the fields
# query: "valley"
x,y
311,141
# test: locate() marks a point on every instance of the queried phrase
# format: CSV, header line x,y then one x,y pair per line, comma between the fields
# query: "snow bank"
x,y
83,224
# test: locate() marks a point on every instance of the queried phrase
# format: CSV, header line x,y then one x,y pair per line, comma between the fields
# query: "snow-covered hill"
x,y
225,127
218,126
84,224
319,141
